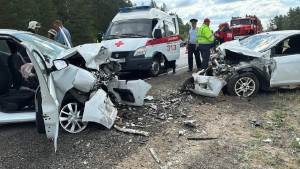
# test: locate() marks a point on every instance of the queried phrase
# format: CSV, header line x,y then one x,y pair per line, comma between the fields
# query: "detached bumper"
x,y
207,85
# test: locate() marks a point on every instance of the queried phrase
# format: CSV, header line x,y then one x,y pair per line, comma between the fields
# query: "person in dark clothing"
x,y
226,34
191,46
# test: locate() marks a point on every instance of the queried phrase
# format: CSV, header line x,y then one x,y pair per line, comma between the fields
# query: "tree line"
x,y
289,21
83,18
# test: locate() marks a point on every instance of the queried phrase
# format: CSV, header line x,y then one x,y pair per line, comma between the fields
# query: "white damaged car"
x,y
264,61
75,86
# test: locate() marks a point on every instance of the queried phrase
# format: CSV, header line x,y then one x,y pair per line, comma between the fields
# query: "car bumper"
x,y
129,62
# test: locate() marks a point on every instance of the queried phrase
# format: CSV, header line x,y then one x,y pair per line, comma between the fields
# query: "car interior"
x,y
14,96
288,46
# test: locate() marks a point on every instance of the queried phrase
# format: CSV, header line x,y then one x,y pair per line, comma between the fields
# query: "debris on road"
x,y
256,123
201,138
144,133
267,140
181,132
149,98
175,149
190,123
155,156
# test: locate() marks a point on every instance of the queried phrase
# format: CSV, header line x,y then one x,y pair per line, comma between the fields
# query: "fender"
x,y
262,76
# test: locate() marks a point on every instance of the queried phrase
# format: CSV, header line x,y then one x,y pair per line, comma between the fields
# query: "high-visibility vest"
x,y
205,35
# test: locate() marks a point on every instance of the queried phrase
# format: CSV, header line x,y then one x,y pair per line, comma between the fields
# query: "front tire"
x,y
244,85
70,116
155,67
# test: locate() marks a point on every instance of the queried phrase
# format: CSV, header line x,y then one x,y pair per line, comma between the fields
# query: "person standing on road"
x,y
205,42
33,26
226,34
58,26
191,46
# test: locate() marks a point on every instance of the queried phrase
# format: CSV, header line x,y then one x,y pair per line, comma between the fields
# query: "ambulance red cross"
x,y
143,38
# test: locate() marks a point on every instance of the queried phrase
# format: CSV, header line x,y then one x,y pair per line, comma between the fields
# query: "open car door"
x,y
169,43
49,102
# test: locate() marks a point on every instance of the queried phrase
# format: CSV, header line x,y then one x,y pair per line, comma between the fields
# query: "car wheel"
x,y
155,67
244,85
39,115
70,117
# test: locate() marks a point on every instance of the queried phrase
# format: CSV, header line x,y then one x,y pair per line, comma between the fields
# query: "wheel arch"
x,y
263,77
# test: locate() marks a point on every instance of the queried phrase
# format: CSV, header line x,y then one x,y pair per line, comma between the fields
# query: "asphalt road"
x,y
181,63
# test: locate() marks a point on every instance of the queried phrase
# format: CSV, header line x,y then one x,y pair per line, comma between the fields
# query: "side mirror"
x,y
157,34
59,64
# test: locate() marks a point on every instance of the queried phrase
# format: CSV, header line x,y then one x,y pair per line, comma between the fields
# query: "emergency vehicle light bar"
x,y
127,9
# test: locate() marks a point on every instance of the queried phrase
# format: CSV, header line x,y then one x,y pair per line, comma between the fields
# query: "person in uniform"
x,y
191,46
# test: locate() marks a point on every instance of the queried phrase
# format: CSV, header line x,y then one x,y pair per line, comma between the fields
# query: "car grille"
x,y
119,55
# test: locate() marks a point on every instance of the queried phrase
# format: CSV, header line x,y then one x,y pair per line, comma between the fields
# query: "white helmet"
x,y
33,25
274,27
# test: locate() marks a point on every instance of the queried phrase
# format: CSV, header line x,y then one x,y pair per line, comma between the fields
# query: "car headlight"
x,y
140,51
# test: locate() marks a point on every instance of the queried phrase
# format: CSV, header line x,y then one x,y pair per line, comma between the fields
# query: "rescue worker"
x,y
226,34
33,26
205,42
58,26
191,46
100,37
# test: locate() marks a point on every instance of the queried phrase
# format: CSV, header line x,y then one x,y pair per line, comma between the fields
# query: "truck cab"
x,y
142,38
249,25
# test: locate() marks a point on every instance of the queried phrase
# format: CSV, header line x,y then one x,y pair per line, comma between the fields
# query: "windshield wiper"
x,y
113,37
132,35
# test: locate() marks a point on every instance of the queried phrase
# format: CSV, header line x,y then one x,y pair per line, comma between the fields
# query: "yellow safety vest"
x,y
205,35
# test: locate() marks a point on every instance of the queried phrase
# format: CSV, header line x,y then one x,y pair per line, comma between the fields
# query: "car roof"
x,y
12,31
284,32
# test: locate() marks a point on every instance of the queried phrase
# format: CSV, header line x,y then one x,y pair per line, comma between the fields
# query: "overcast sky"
x,y
219,11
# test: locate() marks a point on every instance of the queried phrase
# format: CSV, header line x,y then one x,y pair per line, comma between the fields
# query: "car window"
x,y
291,45
49,48
4,47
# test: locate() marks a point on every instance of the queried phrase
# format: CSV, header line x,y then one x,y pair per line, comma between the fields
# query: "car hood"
x,y
125,44
94,54
235,46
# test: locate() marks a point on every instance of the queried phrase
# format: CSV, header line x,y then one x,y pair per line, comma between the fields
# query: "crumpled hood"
x,y
236,47
125,44
94,54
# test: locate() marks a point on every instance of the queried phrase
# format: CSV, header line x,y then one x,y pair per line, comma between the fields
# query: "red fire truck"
x,y
249,25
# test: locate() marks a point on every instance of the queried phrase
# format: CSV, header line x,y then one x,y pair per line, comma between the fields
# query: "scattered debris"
x,y
164,167
190,123
153,106
190,98
140,119
154,155
201,138
271,122
174,100
256,123
181,132
267,140
203,131
175,149
144,133
149,98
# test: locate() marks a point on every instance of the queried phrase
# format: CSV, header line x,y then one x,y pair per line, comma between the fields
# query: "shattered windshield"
x,y
136,28
49,48
260,43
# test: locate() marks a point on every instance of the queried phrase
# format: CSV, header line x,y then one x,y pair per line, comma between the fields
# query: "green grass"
x,y
295,144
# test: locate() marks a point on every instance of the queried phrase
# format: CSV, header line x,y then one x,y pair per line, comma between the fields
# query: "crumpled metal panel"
x,y
138,88
100,109
207,85
94,54
84,80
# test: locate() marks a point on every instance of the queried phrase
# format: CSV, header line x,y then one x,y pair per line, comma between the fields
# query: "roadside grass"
x,y
281,125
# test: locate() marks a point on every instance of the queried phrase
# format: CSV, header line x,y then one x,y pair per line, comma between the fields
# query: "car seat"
x,y
294,46
12,99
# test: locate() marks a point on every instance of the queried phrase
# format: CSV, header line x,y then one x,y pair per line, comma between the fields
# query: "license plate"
x,y
120,60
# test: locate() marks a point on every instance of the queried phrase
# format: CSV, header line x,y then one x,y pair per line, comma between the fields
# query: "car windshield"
x,y
136,28
241,22
49,48
260,43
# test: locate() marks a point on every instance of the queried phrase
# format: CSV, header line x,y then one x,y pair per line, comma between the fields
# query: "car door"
x,y
169,43
287,70
50,104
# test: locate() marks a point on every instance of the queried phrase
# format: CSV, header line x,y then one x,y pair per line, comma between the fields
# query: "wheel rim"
x,y
245,86
70,118
155,67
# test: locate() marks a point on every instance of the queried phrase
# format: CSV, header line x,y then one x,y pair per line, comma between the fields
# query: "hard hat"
x,y
33,25
206,20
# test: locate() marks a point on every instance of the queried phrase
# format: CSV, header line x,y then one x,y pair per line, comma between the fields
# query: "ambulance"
x,y
143,38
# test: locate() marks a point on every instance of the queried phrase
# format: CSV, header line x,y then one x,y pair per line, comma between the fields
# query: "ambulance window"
x,y
169,28
161,26
154,22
